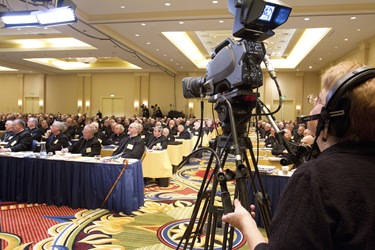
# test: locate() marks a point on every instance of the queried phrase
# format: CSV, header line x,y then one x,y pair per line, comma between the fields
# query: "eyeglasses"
x,y
313,99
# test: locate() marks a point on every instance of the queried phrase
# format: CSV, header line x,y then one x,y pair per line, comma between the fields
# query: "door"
x,y
112,106
31,105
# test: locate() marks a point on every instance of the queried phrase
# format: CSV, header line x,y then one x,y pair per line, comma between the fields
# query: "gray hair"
x,y
159,128
92,128
61,126
20,122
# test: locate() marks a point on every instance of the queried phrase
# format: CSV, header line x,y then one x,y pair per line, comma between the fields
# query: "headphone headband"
x,y
346,83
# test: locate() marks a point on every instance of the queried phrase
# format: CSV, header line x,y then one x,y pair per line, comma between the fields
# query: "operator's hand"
x,y
240,218
243,220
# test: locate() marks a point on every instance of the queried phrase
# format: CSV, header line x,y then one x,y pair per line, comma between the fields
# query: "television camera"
x,y
234,69
232,74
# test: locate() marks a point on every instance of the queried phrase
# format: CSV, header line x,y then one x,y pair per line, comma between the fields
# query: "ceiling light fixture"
x,y
86,60
50,17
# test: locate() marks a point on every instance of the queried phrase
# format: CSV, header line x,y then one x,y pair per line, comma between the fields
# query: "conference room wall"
x,y
61,93
11,86
148,88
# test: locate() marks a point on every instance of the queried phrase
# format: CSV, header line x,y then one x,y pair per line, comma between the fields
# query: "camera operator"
x,y
329,202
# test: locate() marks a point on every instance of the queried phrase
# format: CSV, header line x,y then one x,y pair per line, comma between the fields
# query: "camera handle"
x,y
294,157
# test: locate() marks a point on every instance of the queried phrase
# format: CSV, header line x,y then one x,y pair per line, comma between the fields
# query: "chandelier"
x,y
86,60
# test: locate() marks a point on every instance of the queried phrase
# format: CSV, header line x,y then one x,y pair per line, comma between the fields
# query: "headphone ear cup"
x,y
339,125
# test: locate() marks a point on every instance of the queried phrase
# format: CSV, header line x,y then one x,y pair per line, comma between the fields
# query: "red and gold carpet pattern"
x,y
159,224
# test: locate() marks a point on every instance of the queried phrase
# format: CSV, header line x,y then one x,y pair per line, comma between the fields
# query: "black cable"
x,y
123,47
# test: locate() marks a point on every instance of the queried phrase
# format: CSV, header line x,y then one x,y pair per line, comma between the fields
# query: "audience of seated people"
x,y
109,131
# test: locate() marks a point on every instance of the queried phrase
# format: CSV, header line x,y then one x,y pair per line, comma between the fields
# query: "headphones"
x,y
335,113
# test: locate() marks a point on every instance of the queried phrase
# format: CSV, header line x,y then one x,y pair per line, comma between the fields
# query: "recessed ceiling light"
x,y
157,49
221,21
353,18
136,34
320,59
215,2
310,67
167,4
148,43
181,22
358,29
346,39
143,24
122,7
306,19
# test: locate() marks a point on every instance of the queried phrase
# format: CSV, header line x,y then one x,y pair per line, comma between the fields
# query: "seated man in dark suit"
x,y
132,146
157,141
56,140
99,134
169,137
87,145
183,133
21,141
9,134
118,135
33,129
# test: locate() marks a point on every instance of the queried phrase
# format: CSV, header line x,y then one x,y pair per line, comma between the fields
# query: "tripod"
x,y
206,216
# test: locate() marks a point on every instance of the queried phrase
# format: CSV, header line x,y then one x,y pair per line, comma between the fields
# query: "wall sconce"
x,y
19,104
87,104
145,103
191,105
41,103
112,95
79,105
298,107
136,106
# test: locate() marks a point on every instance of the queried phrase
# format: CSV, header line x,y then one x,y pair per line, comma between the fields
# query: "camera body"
x,y
237,64
233,65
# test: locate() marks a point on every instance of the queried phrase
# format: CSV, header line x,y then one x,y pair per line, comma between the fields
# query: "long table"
x,y
75,184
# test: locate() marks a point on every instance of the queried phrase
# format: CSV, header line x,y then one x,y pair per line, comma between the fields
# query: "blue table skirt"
x,y
70,183
273,186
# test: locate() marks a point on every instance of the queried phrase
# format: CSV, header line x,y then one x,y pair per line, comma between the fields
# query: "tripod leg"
x,y
260,196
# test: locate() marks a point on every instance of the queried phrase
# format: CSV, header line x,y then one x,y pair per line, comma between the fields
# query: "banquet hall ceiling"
x,y
128,35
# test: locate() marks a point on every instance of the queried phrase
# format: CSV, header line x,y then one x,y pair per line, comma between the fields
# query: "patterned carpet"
x,y
159,224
